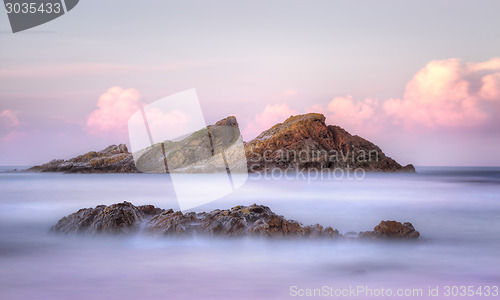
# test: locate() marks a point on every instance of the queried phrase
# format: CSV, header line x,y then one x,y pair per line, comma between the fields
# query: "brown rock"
x,y
392,230
117,219
253,220
306,142
113,159
300,142
197,152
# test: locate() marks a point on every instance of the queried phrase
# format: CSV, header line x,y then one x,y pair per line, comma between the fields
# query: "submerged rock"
x,y
392,230
253,220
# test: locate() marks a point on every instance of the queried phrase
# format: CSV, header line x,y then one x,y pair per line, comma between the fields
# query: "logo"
x,y
26,14
205,162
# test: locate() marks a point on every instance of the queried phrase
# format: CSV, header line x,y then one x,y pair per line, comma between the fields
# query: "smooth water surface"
x,y
456,210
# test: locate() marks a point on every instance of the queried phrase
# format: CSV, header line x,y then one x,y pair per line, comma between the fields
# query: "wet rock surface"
x,y
118,218
392,230
253,221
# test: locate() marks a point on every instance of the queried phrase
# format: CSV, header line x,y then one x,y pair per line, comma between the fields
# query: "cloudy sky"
x,y
419,78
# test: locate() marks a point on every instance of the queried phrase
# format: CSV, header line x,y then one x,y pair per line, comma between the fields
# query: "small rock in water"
x,y
392,230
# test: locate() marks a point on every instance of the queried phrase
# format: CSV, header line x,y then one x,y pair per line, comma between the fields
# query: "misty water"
x,y
456,210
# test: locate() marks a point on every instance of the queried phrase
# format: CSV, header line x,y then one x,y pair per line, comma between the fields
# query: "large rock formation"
x,y
253,220
113,159
300,142
125,218
306,142
208,150
198,152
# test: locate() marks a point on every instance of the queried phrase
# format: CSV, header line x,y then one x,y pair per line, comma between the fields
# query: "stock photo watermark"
x,y
364,291
294,172
26,14
170,135
311,164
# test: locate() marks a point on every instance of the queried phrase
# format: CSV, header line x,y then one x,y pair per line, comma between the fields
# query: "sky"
x,y
421,79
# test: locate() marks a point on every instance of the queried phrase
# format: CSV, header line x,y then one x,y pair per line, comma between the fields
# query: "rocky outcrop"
x,y
209,150
118,218
253,220
392,230
125,218
300,142
113,159
306,142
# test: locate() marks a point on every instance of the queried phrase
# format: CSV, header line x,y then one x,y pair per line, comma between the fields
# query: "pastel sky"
x,y
421,79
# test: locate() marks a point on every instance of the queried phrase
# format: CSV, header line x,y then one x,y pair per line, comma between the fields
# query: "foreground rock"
x,y
117,219
113,159
392,230
253,220
126,218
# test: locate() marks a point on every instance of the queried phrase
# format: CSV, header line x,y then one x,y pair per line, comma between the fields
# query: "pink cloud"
x,y
444,94
449,94
350,113
8,122
490,87
167,124
114,108
359,116
271,115
8,119
10,126
290,93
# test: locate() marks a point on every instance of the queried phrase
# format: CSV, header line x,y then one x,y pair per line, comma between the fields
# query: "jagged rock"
x,y
113,159
306,142
253,220
300,142
409,168
209,150
392,230
117,218
229,121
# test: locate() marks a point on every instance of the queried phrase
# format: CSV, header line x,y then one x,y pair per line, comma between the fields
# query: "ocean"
x,y
455,209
